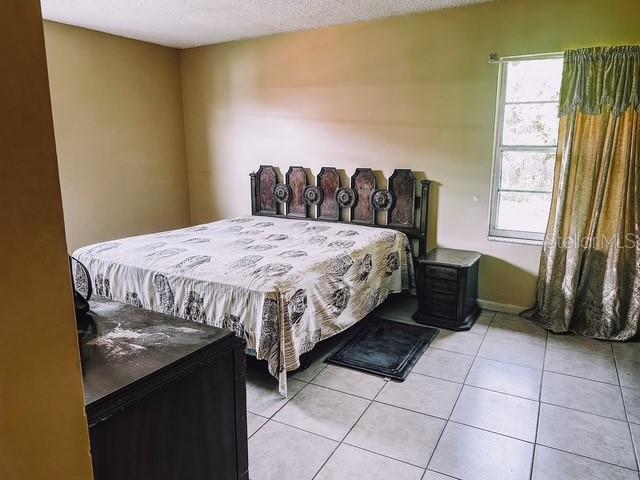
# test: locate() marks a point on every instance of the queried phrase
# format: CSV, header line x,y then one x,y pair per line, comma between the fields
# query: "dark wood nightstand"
x,y
448,289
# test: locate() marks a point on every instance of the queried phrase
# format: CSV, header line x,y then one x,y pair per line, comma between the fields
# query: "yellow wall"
x,y
413,91
43,430
117,111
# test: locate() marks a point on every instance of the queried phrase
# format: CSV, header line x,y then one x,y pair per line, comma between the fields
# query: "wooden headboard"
x,y
328,200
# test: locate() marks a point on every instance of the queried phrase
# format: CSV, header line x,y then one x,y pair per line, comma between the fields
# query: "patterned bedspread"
x,y
281,284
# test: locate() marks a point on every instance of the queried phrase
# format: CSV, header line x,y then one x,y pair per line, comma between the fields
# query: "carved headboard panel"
x,y
328,200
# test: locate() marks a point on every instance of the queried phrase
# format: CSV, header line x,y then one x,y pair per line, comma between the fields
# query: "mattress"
x,y
281,284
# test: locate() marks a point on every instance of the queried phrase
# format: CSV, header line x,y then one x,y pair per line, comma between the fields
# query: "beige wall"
x,y
43,430
414,91
117,111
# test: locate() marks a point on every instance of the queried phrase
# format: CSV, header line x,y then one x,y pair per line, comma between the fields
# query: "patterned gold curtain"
x,y
589,280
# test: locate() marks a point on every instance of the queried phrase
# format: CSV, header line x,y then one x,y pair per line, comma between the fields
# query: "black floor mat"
x,y
385,347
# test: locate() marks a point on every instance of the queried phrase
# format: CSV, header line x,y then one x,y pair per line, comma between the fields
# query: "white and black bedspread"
x,y
282,284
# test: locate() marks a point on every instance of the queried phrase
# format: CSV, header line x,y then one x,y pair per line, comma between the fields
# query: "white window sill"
x,y
522,241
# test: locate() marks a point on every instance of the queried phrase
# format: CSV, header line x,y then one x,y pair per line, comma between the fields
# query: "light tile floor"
x,y
503,401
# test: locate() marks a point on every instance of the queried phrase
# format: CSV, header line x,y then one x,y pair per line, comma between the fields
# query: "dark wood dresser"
x,y
165,398
448,289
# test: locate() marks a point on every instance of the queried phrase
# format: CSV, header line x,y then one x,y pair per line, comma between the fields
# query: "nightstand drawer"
x,y
441,273
437,285
431,297
444,311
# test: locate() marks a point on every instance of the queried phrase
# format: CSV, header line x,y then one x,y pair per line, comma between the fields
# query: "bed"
x,y
279,278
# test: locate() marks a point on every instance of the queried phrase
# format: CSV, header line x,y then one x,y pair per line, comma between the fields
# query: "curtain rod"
x,y
495,58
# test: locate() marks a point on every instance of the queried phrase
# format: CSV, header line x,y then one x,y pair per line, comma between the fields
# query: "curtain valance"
x,y
600,77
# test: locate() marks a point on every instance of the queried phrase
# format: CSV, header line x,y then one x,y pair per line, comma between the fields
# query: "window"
x,y
526,136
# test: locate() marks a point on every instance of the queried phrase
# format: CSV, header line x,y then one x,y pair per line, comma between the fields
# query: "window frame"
x,y
500,234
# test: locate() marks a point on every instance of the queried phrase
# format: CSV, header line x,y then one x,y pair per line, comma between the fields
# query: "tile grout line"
x,y
479,388
257,429
535,441
280,422
319,371
636,449
587,457
327,460
524,366
343,443
443,474
582,378
451,351
510,363
526,398
349,393
578,349
582,411
349,431
491,431
600,355
274,413
284,404
435,447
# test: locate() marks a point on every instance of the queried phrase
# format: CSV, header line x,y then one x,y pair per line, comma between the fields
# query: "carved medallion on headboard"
x,y
382,200
313,195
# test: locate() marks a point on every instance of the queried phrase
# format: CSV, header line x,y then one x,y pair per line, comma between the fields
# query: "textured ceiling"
x,y
190,23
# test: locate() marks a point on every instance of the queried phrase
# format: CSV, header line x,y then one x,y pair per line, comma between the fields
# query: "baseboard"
x,y
501,307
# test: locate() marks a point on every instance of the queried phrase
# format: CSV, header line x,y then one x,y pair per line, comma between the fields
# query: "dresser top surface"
x,y
129,343
452,257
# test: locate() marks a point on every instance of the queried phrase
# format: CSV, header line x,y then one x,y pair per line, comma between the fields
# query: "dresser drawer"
x,y
441,273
